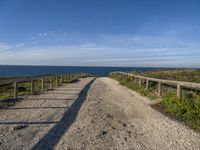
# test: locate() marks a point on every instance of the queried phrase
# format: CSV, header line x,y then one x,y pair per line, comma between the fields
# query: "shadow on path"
x,y
64,93
49,99
29,123
55,134
16,108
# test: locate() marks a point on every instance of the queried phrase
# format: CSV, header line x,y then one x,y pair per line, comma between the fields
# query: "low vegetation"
x,y
186,108
187,75
6,91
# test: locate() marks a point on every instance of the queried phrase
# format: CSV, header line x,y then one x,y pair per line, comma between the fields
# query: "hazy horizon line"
x,y
101,66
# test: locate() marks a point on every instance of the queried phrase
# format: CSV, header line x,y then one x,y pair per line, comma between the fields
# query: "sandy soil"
x,y
92,115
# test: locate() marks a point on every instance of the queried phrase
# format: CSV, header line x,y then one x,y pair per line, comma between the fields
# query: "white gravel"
x,y
114,117
40,112
105,115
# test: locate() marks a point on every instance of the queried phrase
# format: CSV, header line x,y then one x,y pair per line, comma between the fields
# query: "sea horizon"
x,y
34,70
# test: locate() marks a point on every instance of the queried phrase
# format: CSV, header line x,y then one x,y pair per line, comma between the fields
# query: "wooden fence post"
x,y
32,87
178,93
160,82
15,90
140,82
159,89
56,81
43,84
147,84
51,83
61,79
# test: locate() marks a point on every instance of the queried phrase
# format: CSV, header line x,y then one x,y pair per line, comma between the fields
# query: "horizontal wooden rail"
x,y
179,84
27,79
59,79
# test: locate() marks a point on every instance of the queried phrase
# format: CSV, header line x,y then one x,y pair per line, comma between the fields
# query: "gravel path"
x,y
114,117
25,124
105,115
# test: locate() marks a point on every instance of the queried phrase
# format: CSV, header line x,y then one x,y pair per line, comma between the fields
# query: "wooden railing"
x,y
179,84
58,79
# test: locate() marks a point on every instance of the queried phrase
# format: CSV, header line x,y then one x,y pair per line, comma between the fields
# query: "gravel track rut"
x,y
92,114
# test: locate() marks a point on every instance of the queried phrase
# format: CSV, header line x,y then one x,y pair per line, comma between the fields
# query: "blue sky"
x,y
142,33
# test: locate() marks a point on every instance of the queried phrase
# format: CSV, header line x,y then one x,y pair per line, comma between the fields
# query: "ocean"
x,y
7,70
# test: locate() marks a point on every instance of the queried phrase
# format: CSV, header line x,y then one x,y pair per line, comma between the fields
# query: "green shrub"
x,y
188,75
186,109
131,85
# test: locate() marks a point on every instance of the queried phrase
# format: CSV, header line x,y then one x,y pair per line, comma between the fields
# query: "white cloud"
x,y
88,45
4,46
101,56
103,50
